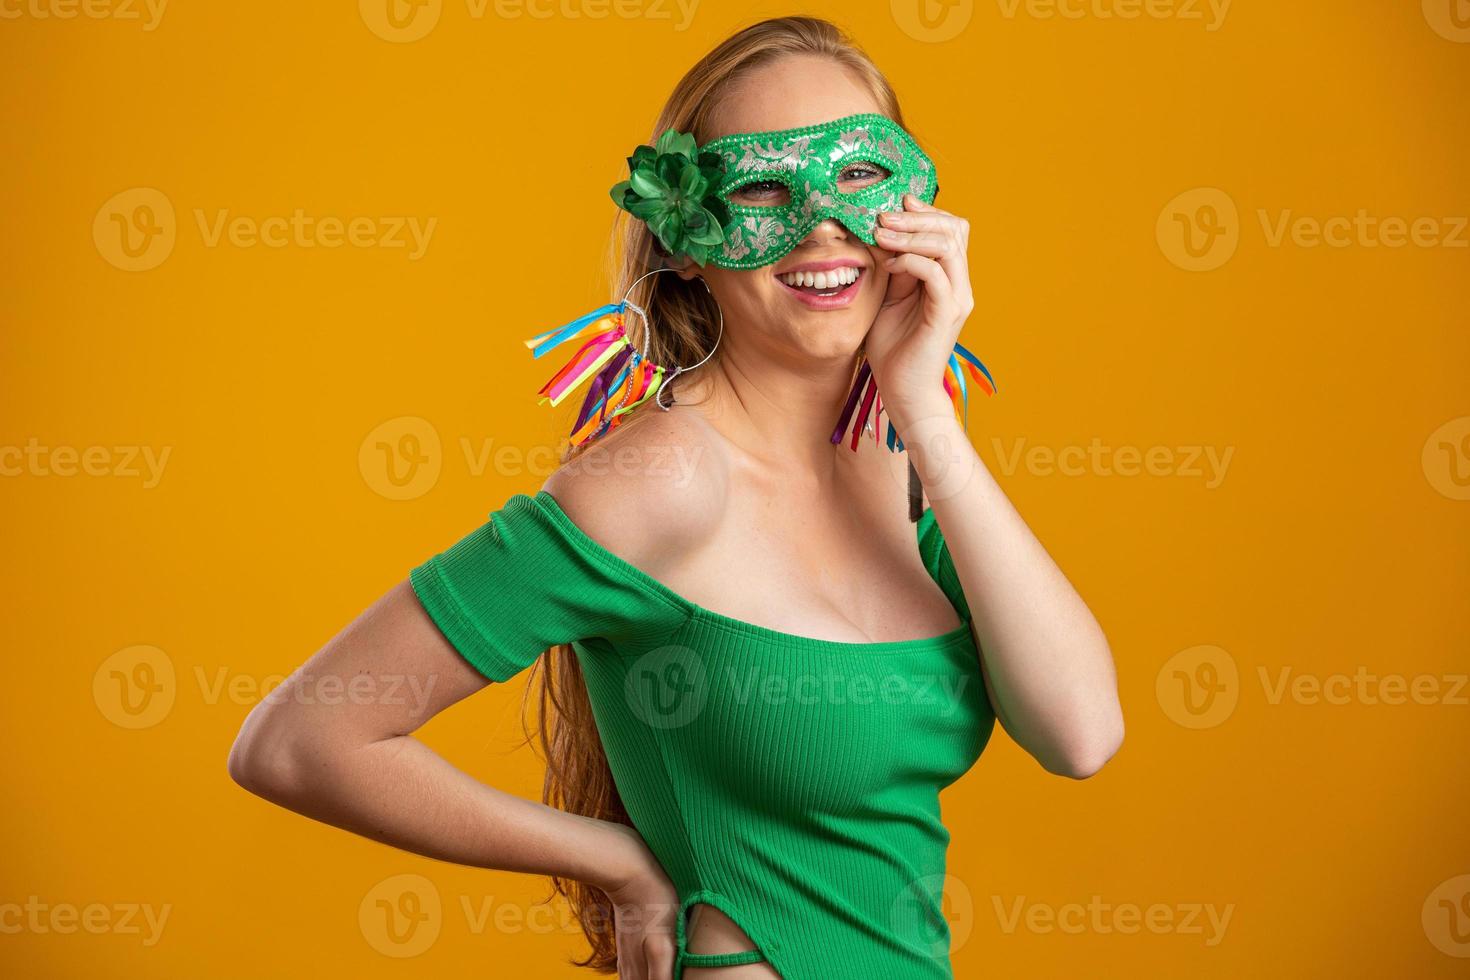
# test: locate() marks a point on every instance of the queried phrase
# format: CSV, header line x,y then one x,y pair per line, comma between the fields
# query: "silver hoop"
x,y
628,304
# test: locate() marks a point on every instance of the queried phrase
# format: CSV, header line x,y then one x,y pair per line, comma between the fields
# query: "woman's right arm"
x,y
335,743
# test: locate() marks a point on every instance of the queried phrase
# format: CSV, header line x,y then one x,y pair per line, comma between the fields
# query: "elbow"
x,y
1088,755
1096,735
265,757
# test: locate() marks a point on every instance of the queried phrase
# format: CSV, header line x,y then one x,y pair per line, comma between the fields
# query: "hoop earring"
x,y
620,376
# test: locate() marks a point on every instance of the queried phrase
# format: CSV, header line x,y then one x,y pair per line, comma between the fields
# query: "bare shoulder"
x,y
649,489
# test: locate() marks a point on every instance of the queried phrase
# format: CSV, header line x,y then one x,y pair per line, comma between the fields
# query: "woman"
x,y
771,682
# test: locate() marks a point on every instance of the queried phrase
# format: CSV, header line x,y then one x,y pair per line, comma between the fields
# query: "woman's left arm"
x,y
1047,666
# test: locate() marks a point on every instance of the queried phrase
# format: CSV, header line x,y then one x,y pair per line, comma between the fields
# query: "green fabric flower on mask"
x,y
671,187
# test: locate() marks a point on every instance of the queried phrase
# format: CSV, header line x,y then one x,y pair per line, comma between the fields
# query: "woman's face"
x,y
808,300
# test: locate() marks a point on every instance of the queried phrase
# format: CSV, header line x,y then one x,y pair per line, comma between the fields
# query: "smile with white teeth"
x,y
830,280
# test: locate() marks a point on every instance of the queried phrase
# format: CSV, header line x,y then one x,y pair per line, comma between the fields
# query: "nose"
x,y
829,231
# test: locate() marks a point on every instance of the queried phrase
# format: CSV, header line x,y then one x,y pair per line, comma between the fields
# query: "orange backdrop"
x,y
263,294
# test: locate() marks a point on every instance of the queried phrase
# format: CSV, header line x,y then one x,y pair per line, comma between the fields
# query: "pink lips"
x,y
836,300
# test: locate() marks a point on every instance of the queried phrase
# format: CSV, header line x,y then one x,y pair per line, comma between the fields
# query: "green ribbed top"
x,y
792,782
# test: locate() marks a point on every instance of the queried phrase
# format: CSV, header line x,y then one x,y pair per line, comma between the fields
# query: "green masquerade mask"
x,y
746,200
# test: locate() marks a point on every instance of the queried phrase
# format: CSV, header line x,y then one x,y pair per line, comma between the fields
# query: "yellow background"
x,y
1335,541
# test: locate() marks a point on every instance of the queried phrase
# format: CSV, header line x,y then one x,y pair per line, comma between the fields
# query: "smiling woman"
x,y
757,677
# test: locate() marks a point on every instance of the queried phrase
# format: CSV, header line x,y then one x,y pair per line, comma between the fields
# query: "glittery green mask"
x,y
778,186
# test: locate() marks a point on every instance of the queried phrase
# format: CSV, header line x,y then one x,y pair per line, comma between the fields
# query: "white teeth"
x,y
830,279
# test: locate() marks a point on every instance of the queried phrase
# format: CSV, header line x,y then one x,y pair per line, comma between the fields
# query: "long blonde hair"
x,y
683,318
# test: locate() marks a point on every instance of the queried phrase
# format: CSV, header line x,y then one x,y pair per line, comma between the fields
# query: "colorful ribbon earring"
x,y
864,387
622,378
865,390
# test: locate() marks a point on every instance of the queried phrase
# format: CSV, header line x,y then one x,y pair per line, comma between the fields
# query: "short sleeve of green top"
x,y
792,782
524,581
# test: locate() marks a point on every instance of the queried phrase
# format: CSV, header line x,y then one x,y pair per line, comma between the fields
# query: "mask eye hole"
x,y
859,174
761,194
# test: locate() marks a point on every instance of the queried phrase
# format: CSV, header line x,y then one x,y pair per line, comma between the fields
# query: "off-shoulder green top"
x,y
790,781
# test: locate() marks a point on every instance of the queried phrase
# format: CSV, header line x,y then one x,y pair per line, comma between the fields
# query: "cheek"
x,y
744,293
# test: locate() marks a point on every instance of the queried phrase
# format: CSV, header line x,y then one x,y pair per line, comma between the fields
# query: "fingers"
x,y
659,954
935,279
935,234
645,940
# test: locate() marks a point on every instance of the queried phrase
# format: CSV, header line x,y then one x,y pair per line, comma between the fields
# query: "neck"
x,y
778,409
